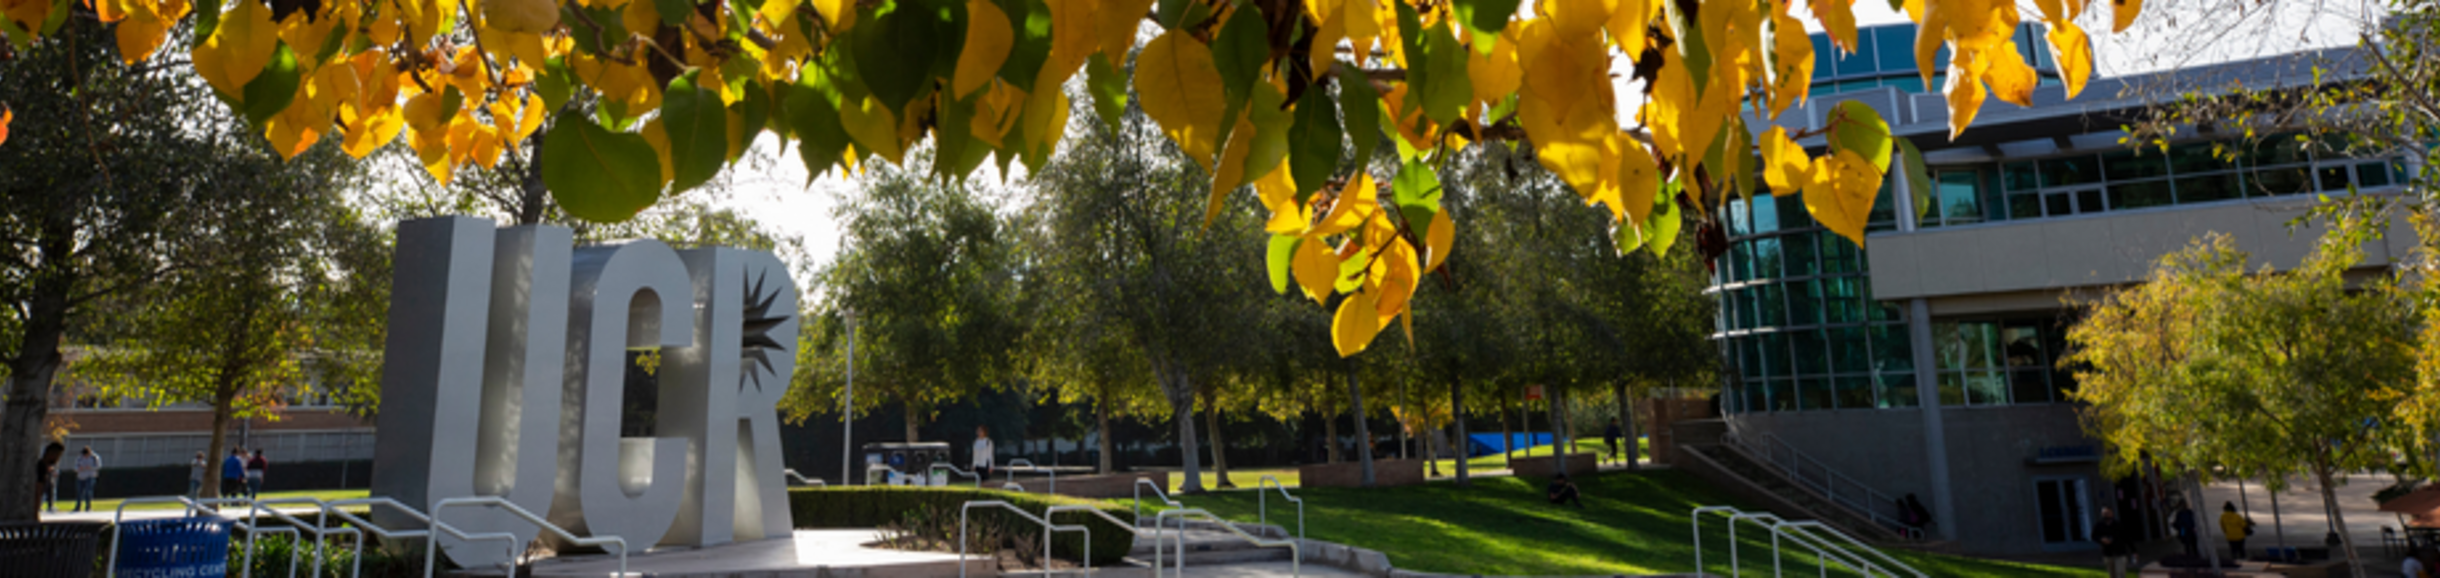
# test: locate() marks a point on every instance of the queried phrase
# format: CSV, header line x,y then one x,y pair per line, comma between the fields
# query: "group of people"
x,y
88,468
2119,538
239,474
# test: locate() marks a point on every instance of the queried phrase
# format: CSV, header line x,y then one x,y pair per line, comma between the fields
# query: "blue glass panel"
x,y
1799,260
1767,259
1823,66
1804,302
1792,214
1739,224
1897,48
1766,216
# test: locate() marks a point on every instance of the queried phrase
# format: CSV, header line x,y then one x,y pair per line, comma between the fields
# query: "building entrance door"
x,y
2065,513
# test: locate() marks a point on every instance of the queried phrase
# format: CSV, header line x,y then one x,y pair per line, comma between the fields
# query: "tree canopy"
x,y
634,98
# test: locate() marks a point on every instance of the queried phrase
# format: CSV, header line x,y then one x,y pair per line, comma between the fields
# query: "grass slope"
x,y
100,505
1635,524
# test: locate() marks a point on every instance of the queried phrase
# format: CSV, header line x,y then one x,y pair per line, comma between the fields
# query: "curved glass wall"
x,y
1885,56
1797,319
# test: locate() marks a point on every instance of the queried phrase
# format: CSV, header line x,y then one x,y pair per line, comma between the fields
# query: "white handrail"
x,y
319,529
334,508
1053,488
1802,532
1296,557
1140,484
1813,528
802,480
554,529
1262,500
1013,487
1088,537
937,466
1697,519
1047,530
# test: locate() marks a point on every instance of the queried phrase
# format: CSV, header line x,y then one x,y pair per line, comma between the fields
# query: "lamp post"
x,y
847,409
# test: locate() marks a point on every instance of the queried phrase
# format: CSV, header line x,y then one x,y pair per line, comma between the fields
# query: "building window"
x,y
2063,508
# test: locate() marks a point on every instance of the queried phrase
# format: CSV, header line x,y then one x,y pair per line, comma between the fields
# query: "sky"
x,y
2172,34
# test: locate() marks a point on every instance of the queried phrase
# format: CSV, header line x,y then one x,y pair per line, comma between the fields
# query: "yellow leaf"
x,y
1174,79
297,127
2074,54
432,148
1794,51
1333,28
1636,176
366,133
305,33
2123,12
1495,75
1356,202
1578,17
1440,239
657,135
424,18
1965,91
1231,172
987,40
1361,21
1630,21
997,112
1841,193
2010,79
1785,167
1392,277
527,16
1046,118
872,125
144,32
1074,38
1838,20
1115,24
6,115
110,11
28,14
1353,328
238,49
1316,269
840,13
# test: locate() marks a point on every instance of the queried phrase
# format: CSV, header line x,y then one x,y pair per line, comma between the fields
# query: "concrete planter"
x,y
1119,485
1542,467
1386,473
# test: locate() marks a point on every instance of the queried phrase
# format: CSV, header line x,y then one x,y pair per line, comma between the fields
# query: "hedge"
x,y
873,506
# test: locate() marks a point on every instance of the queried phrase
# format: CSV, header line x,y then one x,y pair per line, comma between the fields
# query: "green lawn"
x,y
1243,478
1500,461
1636,523
325,495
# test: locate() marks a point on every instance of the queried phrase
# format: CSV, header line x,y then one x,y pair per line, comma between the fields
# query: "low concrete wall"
x,y
1120,485
1694,462
1386,473
1578,464
1691,434
1665,414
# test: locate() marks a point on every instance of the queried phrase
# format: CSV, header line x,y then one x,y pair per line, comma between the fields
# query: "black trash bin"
x,y
56,549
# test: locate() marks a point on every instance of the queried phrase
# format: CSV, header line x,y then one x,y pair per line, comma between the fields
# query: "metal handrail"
x,y
1053,488
937,466
319,529
1088,541
1296,557
1048,529
801,480
1140,484
1013,487
1262,501
1780,454
334,509
554,529
1801,532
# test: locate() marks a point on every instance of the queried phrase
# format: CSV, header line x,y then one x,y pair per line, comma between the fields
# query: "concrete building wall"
x,y
1989,452
2093,250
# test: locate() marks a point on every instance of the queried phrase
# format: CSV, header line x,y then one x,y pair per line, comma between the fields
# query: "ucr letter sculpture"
x,y
505,369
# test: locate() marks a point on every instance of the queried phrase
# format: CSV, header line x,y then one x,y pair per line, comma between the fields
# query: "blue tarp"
x,y
1479,445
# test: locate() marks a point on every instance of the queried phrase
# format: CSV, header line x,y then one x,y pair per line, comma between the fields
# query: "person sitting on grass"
x,y
1563,491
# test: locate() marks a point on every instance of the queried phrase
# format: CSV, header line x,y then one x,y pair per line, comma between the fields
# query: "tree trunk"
x,y
912,431
29,394
1364,449
1508,433
1406,435
2338,518
1626,427
1101,417
1181,395
1211,412
1550,405
1330,431
2205,532
215,450
1457,415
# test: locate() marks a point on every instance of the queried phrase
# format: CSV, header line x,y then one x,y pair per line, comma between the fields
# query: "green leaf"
x,y
894,50
1691,50
598,175
612,26
57,16
1240,50
1410,35
1486,18
1661,227
1175,14
270,92
959,151
1031,19
813,113
1859,128
698,131
1363,109
1450,90
1109,89
1271,126
1313,141
755,113
1918,177
1282,253
674,12
207,18
556,83
1416,191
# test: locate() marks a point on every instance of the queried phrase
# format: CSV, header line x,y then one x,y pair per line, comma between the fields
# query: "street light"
x,y
847,409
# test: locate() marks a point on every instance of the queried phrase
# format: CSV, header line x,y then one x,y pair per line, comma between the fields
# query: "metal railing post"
x,y
1263,499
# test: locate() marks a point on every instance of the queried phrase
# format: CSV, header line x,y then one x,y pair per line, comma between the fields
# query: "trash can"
x,y
61,549
196,547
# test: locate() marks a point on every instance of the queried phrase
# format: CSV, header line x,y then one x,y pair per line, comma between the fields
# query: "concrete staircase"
x,y
1700,452
1206,545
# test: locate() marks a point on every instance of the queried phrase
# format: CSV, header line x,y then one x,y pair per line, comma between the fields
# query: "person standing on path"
x,y
255,468
1610,436
232,471
982,452
46,475
2111,534
2183,524
88,468
194,476
2236,528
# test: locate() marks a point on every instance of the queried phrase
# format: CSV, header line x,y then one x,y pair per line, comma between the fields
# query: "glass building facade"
x,y
1799,325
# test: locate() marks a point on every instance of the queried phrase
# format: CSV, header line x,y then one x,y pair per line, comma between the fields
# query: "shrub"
x,y
877,506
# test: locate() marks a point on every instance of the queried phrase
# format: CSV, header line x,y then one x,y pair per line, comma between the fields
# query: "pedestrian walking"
x,y
2115,548
194,476
46,475
2236,528
2182,523
982,452
233,473
88,469
255,468
1610,436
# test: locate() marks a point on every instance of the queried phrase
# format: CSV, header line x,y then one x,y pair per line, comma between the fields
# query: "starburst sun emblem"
x,y
759,320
